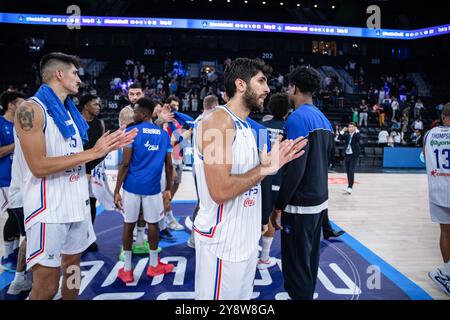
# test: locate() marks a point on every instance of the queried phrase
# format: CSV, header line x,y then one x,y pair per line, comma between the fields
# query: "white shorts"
x,y
439,214
3,199
47,241
216,279
152,206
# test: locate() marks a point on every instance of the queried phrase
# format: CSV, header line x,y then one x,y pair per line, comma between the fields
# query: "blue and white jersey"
x,y
6,138
149,153
62,197
231,230
437,160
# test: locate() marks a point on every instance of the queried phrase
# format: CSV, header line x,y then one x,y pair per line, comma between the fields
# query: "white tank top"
x,y
437,155
15,192
232,229
58,198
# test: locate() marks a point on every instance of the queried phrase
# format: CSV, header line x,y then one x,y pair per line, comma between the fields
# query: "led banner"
x,y
204,24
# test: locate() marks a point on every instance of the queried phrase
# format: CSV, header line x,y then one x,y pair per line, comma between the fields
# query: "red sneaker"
x,y
125,276
161,268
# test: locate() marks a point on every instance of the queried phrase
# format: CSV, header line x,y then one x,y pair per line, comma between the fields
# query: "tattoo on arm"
x,y
25,115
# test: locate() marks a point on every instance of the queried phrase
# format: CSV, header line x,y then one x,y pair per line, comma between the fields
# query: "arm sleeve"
x,y
295,170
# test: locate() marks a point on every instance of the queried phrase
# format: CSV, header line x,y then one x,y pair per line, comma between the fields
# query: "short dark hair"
x,y
84,100
446,110
245,69
351,124
52,57
172,98
306,79
147,104
279,105
135,85
10,96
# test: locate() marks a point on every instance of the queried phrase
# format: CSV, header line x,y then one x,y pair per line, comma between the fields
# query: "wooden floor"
x,y
388,213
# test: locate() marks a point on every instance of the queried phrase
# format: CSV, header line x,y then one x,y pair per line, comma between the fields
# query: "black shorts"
x,y
18,213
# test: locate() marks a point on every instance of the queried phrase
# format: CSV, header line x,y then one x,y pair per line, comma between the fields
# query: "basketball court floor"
x,y
386,254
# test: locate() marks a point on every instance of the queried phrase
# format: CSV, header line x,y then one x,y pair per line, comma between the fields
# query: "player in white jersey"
x,y
437,159
56,207
228,174
209,104
22,279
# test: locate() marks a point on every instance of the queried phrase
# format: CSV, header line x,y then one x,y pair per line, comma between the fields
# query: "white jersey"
x,y
57,198
232,229
15,192
437,155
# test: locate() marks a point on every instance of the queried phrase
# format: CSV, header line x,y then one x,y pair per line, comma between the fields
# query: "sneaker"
x,y
18,286
442,280
349,190
58,295
140,248
191,242
122,257
166,235
161,268
125,276
269,263
175,225
10,263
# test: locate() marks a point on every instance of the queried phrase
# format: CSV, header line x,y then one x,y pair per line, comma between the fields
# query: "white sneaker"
x,y
18,286
349,190
174,225
269,263
191,242
442,280
58,295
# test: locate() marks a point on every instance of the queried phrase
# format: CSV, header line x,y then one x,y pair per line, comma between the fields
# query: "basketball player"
x,y
279,109
303,195
437,159
209,104
22,279
11,233
179,129
126,117
228,173
90,105
51,132
140,174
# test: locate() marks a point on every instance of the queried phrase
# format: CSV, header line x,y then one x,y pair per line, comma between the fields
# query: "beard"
x,y
251,100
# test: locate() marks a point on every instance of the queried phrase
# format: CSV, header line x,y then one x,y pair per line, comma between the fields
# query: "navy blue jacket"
x,y
305,180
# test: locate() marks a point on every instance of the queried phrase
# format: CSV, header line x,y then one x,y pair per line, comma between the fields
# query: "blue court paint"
x,y
343,268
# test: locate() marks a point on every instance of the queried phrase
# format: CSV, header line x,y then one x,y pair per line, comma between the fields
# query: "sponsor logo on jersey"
x,y
436,143
249,202
74,177
435,173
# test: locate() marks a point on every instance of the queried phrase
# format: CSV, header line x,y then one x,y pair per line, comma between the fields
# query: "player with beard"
x,y
228,171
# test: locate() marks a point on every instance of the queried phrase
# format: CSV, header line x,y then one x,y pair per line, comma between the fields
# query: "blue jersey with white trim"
x,y
304,189
6,138
149,153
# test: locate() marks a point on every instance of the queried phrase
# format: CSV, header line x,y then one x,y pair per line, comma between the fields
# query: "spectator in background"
x,y
350,136
383,137
194,101
394,107
397,138
355,115
363,113
418,108
185,102
381,95
379,111
417,124
417,139
438,108
173,87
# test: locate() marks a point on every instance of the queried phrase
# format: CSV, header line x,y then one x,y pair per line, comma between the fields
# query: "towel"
x,y
57,111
